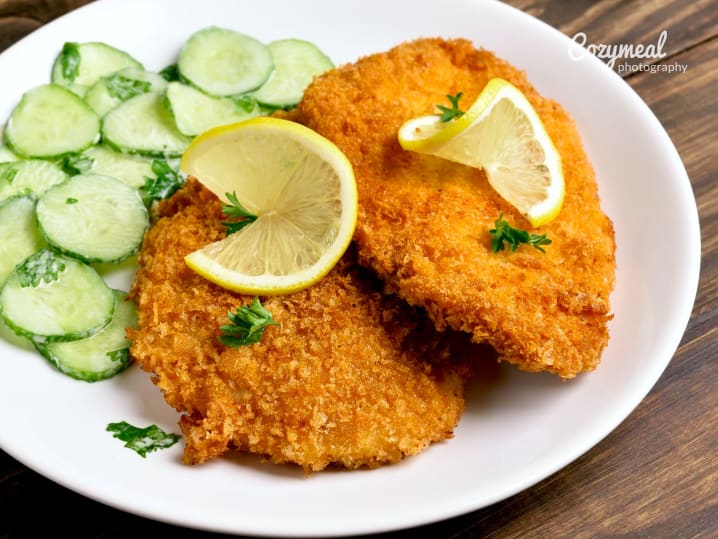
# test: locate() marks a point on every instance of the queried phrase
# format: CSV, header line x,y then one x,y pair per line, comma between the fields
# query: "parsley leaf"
x,y
77,163
123,87
142,440
504,232
42,266
236,210
245,104
166,182
248,324
8,173
170,73
448,114
70,61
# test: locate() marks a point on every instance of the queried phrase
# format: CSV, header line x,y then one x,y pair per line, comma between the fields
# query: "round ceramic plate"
x,y
517,429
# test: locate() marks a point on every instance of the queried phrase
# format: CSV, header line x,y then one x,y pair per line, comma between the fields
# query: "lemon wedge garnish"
x,y
502,134
301,189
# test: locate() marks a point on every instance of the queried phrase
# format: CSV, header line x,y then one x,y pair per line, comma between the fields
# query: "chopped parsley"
x,y
245,103
247,325
142,440
504,233
9,173
236,210
77,163
170,73
163,185
124,88
447,114
70,61
42,266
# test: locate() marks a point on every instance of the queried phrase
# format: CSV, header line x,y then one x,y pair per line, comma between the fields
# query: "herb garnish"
x,y
166,182
248,324
70,61
236,210
123,87
9,173
77,163
42,266
142,440
170,73
448,114
504,232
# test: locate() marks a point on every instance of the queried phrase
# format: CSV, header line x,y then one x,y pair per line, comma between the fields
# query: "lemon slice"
x,y
502,134
300,187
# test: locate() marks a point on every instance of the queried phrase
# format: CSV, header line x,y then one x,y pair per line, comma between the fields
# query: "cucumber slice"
x,y
111,90
19,233
51,121
29,176
7,155
80,65
132,170
296,63
195,112
100,356
144,126
224,62
94,218
50,297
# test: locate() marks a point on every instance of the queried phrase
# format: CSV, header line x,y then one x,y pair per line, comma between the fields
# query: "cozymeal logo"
x,y
612,53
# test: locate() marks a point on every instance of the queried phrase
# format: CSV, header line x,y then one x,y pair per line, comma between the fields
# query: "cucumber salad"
x,y
83,159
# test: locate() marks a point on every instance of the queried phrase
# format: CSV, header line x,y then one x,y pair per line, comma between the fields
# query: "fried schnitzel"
x,y
350,377
423,221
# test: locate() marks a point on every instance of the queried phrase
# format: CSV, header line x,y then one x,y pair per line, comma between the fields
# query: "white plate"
x,y
514,433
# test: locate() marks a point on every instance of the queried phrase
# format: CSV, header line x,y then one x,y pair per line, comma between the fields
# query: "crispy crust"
x,y
423,222
351,377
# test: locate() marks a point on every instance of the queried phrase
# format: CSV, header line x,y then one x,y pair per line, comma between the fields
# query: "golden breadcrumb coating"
x,y
351,377
424,221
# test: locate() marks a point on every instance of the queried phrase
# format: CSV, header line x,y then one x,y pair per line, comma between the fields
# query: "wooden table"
x,y
656,475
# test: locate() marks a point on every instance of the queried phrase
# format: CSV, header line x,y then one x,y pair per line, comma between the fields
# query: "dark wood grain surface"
x,y
656,475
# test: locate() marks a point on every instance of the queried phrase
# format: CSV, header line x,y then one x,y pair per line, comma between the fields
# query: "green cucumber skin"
x,y
10,136
66,335
52,241
31,237
118,364
123,362
296,63
163,153
255,68
119,59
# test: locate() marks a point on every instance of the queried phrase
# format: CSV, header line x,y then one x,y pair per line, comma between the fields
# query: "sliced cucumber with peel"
x,y
296,63
100,356
29,176
94,218
195,112
7,155
224,62
132,170
143,125
80,65
50,121
19,233
111,90
51,297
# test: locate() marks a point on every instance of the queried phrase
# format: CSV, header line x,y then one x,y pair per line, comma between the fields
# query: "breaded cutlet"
x,y
351,377
424,222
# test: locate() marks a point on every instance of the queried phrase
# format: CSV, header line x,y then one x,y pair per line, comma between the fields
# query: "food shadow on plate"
x,y
145,397
500,384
